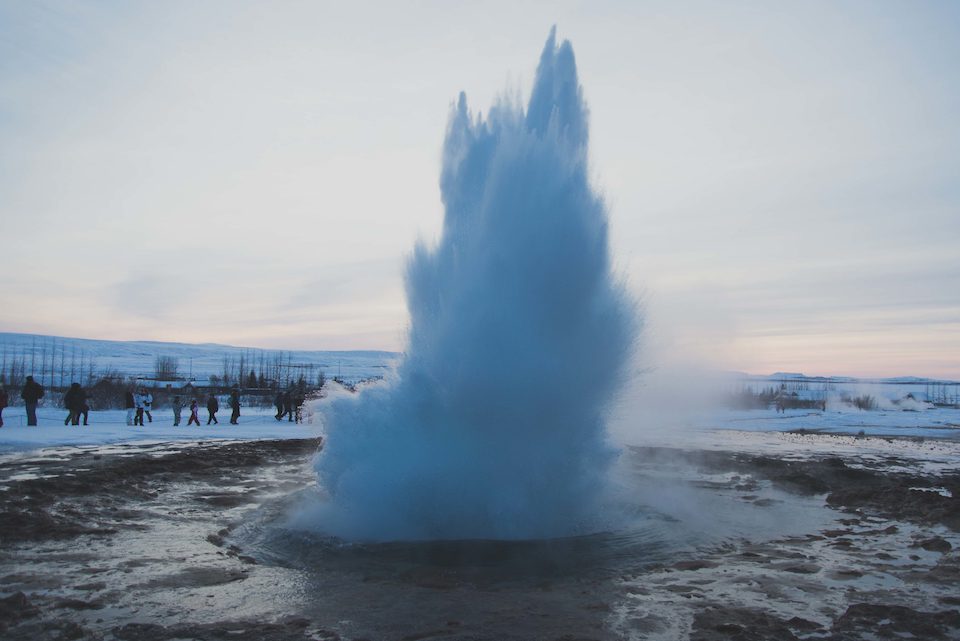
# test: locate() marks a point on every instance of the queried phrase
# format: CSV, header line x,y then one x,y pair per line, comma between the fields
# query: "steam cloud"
x,y
519,338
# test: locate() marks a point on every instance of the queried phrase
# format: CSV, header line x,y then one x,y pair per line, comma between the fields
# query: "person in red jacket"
x,y
194,413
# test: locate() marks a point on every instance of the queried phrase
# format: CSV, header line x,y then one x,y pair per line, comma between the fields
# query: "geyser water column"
x,y
519,337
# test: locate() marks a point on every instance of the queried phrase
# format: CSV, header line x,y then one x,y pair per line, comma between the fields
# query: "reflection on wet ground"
x,y
194,541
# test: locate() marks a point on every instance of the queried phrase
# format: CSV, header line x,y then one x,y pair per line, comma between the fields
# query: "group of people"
x,y
213,406
290,406
75,400
142,403
139,404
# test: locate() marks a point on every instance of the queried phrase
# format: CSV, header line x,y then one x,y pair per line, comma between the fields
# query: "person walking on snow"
x,y
212,407
138,403
177,408
194,411
147,406
234,406
31,393
74,400
4,399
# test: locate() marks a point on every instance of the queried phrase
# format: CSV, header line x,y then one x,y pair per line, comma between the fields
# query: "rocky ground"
x,y
887,568
137,543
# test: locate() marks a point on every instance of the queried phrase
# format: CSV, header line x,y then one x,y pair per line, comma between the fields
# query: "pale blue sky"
x,y
784,178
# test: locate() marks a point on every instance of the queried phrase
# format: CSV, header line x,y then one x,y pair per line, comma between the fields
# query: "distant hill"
x,y
52,358
794,376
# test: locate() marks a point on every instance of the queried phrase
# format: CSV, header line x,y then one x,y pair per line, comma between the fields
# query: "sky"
x,y
783,178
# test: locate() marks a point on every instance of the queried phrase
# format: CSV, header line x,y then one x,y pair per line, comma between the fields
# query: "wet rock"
x,y
141,632
801,482
71,632
60,508
803,625
740,624
290,629
693,565
77,604
894,621
935,544
199,577
15,608
846,574
215,539
801,568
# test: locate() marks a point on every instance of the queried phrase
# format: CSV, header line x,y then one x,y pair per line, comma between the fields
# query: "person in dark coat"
x,y
212,407
298,401
31,393
74,400
4,399
85,411
234,406
278,401
287,406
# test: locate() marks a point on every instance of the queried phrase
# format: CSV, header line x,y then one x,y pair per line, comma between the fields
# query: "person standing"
x,y
287,406
177,408
212,407
4,399
234,406
85,409
31,393
130,405
194,413
138,403
298,401
74,401
278,401
147,406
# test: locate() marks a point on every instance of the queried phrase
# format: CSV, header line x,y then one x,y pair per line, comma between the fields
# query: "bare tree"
x,y
165,368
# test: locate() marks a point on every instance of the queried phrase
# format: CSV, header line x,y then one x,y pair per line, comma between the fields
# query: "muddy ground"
x,y
140,543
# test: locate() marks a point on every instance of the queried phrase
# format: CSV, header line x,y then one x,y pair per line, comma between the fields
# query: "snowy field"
x,y
930,423
110,427
705,428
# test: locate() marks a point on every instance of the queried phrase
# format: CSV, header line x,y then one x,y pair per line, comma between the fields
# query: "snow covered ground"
x,y
708,428
110,427
931,423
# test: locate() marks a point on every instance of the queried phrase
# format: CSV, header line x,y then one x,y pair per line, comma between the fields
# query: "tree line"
x,y
56,364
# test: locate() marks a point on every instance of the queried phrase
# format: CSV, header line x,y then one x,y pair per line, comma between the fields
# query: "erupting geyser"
x,y
519,337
